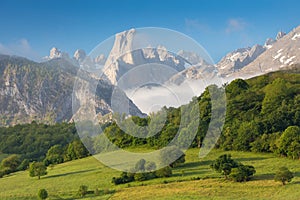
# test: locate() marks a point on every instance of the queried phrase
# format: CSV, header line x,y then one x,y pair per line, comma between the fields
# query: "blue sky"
x,y
31,28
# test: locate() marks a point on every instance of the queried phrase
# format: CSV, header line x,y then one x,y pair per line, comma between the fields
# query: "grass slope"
x,y
63,181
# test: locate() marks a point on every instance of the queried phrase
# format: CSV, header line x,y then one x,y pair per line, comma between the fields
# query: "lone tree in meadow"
x,y
37,169
232,169
224,164
283,175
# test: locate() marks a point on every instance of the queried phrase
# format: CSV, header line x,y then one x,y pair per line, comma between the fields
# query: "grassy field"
x,y
63,181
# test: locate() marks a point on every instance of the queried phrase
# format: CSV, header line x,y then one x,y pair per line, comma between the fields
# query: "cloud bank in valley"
x,y
152,99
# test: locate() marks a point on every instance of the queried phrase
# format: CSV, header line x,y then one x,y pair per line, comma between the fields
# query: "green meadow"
x,y
192,180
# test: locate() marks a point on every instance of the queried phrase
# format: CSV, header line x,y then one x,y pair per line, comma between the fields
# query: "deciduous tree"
x,y
37,169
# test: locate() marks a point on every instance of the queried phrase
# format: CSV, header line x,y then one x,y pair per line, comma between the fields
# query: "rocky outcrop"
x,y
43,91
79,55
124,57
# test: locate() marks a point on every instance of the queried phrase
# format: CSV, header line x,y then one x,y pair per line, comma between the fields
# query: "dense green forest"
x,y
262,115
32,141
52,144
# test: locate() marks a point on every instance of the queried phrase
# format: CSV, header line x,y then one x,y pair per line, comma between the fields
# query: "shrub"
x,y
83,190
125,178
164,172
141,176
224,164
283,175
97,192
229,167
242,173
42,194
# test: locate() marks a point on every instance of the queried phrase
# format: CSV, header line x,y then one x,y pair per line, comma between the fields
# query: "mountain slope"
x,y
90,172
43,91
239,58
283,53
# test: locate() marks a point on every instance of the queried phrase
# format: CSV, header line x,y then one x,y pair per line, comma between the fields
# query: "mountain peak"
x,y
280,35
56,53
122,45
123,56
79,55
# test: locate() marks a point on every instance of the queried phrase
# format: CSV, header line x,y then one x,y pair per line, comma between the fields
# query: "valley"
x,y
147,113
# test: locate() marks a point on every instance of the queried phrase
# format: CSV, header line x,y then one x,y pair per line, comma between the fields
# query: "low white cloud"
x,y
19,48
235,24
171,95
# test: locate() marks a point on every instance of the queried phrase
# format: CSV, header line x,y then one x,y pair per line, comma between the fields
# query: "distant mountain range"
x,y
43,91
283,53
253,61
271,56
236,60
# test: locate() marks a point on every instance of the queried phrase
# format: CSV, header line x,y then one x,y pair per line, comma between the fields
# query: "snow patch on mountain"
x,y
239,58
278,50
277,56
285,52
296,36
269,43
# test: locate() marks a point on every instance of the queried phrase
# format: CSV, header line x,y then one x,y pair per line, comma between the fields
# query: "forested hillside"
x,y
263,115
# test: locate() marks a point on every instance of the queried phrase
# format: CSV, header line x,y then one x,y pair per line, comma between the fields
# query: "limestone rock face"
x,y
43,91
124,57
